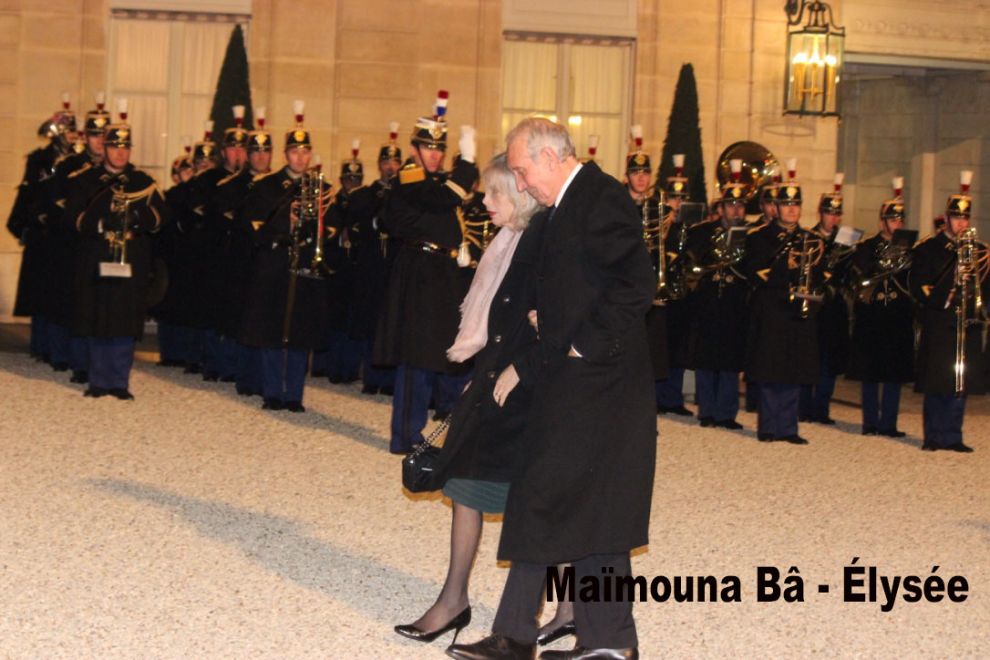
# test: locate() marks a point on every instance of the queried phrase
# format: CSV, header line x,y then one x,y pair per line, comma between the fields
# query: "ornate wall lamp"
x,y
814,59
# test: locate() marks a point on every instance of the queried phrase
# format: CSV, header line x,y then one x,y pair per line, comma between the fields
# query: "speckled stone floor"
x,y
191,524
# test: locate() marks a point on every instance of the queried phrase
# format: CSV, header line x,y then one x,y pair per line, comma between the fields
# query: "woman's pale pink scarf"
x,y
473,333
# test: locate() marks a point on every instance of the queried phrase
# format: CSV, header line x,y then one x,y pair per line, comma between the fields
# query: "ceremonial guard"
x,y
286,313
183,246
670,391
30,230
374,259
115,208
833,315
949,280
882,354
718,306
421,313
784,264
341,362
768,212
650,206
62,240
231,248
259,150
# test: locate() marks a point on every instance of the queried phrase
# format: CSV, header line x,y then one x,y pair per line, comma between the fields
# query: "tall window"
x,y
166,65
583,83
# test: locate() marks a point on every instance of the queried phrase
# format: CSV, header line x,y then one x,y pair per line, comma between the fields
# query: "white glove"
x,y
466,144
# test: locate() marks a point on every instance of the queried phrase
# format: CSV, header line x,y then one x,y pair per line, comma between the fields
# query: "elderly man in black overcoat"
x,y
584,494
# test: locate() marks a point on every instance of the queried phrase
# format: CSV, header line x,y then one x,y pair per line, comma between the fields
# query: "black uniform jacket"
x,y
484,440
590,443
112,306
781,346
882,349
932,279
421,312
833,317
269,311
717,306
375,252
32,233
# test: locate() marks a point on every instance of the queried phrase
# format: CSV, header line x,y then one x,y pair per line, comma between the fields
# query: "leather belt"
x,y
433,248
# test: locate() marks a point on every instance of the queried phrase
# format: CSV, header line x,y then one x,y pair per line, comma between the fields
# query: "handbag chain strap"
x,y
441,427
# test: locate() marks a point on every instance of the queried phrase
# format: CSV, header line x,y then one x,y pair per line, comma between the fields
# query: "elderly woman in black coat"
x,y
480,454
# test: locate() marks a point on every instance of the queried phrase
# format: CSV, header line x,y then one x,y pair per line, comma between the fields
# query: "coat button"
x,y
506,299
498,339
491,374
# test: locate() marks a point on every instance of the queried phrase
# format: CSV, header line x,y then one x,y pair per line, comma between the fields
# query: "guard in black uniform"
x,y
651,210
784,264
259,149
833,316
287,308
30,230
231,245
421,313
948,277
62,240
670,391
882,353
718,306
115,208
768,208
374,260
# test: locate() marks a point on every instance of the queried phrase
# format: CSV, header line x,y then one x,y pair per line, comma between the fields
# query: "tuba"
x,y
757,170
971,267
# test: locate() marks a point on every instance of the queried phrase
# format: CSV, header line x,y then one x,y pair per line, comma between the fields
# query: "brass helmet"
x,y
432,131
259,140
893,209
831,202
299,136
961,205
391,151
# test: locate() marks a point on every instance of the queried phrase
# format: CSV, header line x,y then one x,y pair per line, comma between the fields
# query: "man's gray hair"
x,y
540,132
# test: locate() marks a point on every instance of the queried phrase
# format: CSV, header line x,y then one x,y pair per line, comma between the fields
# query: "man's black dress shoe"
x,y
369,389
706,421
794,439
493,647
805,418
960,447
96,392
581,653
295,406
455,624
192,369
677,410
170,363
387,391
893,433
272,404
730,424
827,421
869,430
765,437
79,376
228,379
210,376
122,394
561,631
60,366
927,446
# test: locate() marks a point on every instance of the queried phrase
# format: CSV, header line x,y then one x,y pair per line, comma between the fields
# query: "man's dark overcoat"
x,y
590,444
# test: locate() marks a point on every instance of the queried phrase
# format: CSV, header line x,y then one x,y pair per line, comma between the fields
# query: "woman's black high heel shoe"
x,y
560,631
455,624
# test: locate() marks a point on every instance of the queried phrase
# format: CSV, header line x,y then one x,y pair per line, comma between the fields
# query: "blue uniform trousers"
x,y
375,376
778,411
752,395
171,343
283,374
410,405
79,349
111,360
717,394
943,419
59,344
447,390
880,412
345,357
248,369
816,399
211,353
670,391
39,336
227,358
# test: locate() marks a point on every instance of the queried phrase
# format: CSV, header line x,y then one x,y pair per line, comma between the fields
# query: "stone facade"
x,y
362,63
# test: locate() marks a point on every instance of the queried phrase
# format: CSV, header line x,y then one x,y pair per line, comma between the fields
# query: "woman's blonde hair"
x,y
498,179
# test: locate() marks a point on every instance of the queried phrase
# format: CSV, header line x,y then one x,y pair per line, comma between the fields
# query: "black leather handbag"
x,y
418,468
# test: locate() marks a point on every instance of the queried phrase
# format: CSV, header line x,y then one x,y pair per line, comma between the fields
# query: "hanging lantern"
x,y
814,59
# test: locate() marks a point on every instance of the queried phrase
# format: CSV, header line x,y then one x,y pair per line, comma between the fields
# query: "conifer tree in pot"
x,y
233,86
684,137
